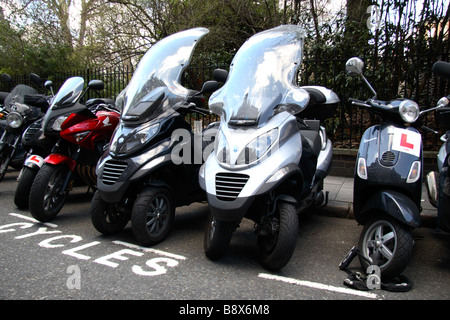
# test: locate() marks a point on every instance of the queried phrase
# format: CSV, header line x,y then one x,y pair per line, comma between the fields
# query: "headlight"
x,y
135,140
14,120
409,111
56,125
257,147
221,147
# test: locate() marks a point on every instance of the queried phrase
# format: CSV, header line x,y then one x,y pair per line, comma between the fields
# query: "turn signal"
x,y
414,172
361,170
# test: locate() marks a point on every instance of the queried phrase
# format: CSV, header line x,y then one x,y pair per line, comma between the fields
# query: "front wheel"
x,y
152,215
47,196
387,243
217,237
22,195
278,244
107,218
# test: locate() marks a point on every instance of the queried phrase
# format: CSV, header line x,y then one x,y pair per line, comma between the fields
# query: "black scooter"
x,y
438,183
388,181
147,171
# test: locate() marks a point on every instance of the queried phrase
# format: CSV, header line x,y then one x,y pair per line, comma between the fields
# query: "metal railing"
x,y
412,78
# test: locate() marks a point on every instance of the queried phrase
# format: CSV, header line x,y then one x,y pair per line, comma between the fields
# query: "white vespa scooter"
x,y
269,161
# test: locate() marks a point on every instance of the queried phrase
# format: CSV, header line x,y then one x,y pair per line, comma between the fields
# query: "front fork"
x,y
5,147
70,173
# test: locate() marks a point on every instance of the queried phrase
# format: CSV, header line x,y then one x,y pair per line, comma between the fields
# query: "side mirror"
x,y
220,75
210,86
48,84
442,69
7,78
354,67
36,79
96,85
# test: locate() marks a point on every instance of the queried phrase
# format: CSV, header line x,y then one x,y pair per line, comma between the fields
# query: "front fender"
x,y
393,203
34,162
57,159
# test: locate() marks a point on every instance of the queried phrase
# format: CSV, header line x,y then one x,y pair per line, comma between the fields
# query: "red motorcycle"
x,y
84,136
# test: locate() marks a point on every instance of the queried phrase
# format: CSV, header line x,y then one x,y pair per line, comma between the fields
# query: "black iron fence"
x,y
407,77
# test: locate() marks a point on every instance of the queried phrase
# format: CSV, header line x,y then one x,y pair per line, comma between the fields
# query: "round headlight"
x,y
14,120
409,111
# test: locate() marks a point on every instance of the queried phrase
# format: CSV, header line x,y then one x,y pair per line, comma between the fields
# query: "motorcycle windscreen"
x,y
155,85
68,94
18,94
262,77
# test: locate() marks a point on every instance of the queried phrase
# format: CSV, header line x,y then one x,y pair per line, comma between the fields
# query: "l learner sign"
x,y
407,141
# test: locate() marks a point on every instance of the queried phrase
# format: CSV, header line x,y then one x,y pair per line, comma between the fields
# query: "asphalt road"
x,y
69,259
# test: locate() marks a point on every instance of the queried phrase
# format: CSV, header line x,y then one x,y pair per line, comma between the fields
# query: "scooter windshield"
x,y
68,94
155,85
262,78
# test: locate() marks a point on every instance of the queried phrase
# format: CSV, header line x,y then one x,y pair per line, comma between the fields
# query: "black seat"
x,y
309,130
316,96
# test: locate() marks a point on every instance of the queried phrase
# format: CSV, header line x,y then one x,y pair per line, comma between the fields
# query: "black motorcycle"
x,y
147,171
388,181
22,107
438,183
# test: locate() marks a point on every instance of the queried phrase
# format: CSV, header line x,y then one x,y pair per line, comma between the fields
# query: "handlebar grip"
x,y
200,110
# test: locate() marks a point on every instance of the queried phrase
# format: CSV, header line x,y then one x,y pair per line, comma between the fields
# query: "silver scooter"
x,y
271,153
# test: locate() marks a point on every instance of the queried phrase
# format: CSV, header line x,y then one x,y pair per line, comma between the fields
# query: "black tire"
x,y
45,198
217,237
105,217
276,249
22,195
388,243
152,215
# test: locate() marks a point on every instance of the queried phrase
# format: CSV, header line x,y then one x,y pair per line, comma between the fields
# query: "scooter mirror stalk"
x,y
354,68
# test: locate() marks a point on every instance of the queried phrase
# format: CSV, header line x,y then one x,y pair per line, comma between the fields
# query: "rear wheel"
x,y
386,243
47,196
152,215
277,244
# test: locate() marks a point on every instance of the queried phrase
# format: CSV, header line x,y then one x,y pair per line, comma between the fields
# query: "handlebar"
x,y
359,103
200,110
106,107
370,103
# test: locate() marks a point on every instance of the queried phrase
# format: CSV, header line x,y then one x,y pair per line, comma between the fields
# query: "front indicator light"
x,y
361,169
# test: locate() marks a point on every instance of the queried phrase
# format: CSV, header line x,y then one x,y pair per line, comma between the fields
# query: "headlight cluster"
x,y
409,111
135,140
56,125
252,152
14,120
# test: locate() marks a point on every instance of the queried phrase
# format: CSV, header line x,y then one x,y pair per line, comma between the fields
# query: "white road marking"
x,y
48,224
145,249
319,286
